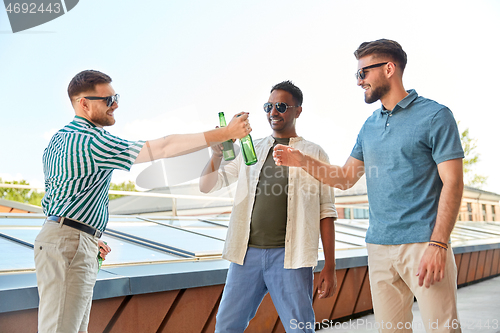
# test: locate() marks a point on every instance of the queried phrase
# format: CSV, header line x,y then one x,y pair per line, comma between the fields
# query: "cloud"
x,y
10,177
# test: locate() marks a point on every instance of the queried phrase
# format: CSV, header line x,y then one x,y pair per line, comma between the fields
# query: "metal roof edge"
x,y
473,189
21,206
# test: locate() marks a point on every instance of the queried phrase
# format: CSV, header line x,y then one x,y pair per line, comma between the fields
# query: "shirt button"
x,y
387,125
390,115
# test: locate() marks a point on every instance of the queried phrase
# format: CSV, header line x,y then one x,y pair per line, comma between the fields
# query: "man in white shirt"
x,y
273,235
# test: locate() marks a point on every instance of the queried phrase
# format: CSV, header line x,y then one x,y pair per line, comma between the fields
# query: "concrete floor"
x,y
478,310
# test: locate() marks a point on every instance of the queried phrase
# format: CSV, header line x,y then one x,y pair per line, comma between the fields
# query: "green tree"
x,y
471,159
34,197
28,196
125,186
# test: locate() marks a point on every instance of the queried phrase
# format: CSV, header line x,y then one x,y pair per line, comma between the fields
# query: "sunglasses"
x,y
360,74
109,100
280,107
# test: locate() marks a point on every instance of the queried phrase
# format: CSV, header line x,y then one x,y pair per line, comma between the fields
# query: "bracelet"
x,y
444,244
438,245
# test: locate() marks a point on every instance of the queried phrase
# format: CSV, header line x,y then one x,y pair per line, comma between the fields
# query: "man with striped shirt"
x,y
78,164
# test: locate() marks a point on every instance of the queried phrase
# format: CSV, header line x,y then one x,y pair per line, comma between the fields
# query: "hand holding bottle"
x,y
247,148
239,126
104,249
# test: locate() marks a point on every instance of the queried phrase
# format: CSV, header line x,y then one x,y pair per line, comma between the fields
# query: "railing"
x,y
174,197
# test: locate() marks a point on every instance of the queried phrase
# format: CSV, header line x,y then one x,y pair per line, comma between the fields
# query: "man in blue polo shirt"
x,y
411,153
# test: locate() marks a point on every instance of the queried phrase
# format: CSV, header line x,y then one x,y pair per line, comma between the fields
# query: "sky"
x,y
176,64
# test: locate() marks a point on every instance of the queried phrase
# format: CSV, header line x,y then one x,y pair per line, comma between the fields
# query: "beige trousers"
x,y
393,283
66,271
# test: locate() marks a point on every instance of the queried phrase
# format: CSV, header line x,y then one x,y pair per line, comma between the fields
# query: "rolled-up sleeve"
x,y
228,174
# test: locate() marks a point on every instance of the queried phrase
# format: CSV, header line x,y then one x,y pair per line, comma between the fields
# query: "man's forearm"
x,y
451,174
448,207
181,144
321,171
217,136
327,230
210,174
333,175
171,146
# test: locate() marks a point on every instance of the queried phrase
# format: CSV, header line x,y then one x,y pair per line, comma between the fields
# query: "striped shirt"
x,y
78,164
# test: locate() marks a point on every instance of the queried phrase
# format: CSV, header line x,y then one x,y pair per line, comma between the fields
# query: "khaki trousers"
x,y
66,271
393,283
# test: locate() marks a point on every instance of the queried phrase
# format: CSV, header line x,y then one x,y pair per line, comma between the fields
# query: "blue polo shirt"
x,y
401,150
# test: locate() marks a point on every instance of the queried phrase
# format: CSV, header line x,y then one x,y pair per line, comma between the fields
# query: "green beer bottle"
x,y
228,148
248,150
99,258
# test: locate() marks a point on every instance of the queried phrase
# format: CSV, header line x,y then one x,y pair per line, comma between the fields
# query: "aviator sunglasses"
x,y
280,107
109,99
360,74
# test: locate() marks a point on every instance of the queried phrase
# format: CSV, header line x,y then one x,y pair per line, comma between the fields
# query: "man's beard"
x,y
377,93
103,120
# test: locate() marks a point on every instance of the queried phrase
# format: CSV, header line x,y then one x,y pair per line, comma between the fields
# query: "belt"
x,y
76,225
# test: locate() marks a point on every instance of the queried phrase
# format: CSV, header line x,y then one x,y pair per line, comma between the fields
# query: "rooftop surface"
x,y
153,254
137,240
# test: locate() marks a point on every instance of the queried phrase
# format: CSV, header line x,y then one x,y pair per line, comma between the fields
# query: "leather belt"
x,y
76,225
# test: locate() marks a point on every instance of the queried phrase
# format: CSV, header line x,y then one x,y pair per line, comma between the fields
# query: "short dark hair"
x,y
288,86
383,47
86,81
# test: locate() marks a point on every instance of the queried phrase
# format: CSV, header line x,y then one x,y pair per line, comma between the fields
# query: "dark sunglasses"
x,y
360,74
280,107
109,100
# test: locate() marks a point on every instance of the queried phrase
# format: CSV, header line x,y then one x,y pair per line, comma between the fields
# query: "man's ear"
x,y
299,111
83,103
81,106
390,69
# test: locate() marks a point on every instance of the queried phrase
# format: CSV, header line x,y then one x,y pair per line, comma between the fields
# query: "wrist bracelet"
x,y
444,244
438,245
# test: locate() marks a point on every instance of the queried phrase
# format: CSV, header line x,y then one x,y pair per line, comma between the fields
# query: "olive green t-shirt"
x,y
269,214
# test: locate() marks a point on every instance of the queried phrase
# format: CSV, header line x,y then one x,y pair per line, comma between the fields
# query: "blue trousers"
x,y
246,285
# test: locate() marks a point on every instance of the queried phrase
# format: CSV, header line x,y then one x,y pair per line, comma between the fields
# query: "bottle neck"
x,y
222,120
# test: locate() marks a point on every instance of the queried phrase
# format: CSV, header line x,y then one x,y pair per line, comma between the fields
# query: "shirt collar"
x,y
402,104
270,139
83,122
